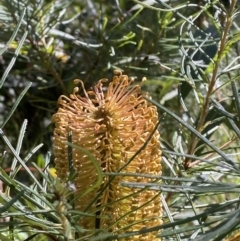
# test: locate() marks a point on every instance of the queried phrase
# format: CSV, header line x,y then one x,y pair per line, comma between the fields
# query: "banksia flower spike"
x,y
112,123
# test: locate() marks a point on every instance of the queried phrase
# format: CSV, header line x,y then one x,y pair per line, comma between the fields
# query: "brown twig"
x,y
205,109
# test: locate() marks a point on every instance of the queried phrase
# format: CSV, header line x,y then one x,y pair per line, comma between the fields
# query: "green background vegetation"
x,y
45,45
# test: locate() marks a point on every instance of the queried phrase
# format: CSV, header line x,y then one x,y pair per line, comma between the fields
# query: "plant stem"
x,y
205,109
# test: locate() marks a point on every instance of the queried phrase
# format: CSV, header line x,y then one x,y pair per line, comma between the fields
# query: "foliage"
x,y
193,78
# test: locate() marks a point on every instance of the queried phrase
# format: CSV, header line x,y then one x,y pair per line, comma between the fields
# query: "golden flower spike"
x,y
112,124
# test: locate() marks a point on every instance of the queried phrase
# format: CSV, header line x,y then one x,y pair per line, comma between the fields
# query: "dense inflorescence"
x,y
112,123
